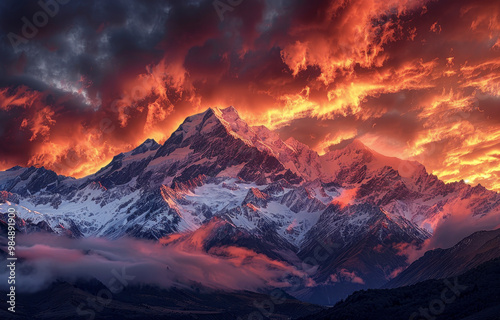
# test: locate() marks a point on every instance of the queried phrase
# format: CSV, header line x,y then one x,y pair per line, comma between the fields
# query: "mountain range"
x,y
474,250
461,282
343,218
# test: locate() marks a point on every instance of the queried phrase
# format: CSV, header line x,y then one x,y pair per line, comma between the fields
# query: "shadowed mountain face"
x,y
343,218
473,295
456,283
472,251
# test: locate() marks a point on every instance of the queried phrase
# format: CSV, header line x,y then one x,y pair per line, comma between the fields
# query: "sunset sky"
x,y
410,78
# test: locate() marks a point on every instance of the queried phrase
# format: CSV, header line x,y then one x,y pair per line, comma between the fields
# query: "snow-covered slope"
x,y
208,167
258,188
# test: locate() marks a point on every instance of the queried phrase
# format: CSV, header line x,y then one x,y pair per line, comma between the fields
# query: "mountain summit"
x,y
218,145
253,190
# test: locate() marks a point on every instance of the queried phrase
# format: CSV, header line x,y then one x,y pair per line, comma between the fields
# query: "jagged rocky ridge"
x,y
277,197
464,279
478,248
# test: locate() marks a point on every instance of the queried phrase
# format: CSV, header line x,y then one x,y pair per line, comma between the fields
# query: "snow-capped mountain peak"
x,y
250,188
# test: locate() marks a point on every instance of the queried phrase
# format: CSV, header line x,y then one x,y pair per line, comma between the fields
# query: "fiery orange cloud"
x,y
410,78
20,97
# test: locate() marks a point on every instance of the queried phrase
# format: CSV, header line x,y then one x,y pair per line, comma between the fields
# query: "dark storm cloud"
x,y
88,39
77,64
407,77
